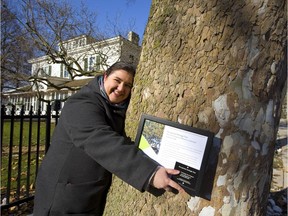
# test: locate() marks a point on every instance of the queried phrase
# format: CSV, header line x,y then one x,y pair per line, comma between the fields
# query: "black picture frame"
x,y
151,131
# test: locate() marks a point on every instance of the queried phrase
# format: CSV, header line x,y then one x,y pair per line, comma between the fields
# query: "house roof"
x,y
69,84
77,83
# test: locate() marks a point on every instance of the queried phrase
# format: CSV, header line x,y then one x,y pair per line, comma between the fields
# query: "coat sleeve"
x,y
86,124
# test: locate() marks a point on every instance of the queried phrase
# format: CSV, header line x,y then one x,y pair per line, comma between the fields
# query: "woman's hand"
x,y
161,180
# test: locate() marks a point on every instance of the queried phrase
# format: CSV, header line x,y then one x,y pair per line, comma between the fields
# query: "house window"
x,y
64,72
98,62
92,63
82,42
61,70
74,44
86,64
69,46
47,70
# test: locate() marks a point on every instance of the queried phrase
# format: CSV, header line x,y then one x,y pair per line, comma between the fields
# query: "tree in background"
x,y
219,66
40,28
16,49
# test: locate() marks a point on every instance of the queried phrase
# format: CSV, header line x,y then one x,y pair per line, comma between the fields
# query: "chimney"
x,y
133,37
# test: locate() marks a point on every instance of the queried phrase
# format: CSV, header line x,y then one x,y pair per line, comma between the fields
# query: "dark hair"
x,y
121,66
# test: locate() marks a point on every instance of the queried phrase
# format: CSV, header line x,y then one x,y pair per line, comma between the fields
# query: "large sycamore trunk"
x,y
220,66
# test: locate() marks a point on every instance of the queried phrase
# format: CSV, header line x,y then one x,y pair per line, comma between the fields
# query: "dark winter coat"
x,y
88,145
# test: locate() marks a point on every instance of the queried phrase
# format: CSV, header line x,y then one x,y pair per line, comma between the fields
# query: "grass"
x,y
22,172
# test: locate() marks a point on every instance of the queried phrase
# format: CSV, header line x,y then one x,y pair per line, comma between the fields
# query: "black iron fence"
x,y
25,138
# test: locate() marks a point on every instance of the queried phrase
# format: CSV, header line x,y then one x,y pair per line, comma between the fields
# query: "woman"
x,y
89,144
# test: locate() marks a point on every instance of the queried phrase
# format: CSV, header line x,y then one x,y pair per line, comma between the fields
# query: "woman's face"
x,y
118,85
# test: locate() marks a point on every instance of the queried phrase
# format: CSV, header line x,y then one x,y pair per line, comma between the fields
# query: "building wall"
x,y
107,54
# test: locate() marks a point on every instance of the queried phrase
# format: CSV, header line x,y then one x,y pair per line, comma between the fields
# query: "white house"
x,y
90,56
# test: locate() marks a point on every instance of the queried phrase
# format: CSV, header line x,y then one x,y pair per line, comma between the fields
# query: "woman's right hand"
x,y
161,180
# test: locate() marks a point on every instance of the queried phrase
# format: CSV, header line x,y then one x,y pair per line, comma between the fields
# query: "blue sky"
x,y
126,14
133,13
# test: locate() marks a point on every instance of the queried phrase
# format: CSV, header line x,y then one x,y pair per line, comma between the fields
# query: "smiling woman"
x,y
89,144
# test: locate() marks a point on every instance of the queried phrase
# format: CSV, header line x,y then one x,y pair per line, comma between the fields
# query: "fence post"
x,y
38,137
29,151
20,151
3,113
10,155
48,126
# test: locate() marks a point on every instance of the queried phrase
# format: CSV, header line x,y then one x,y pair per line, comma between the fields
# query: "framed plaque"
x,y
176,146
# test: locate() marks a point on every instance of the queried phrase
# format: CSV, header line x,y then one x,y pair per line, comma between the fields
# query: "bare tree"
x,y
48,25
15,51
51,23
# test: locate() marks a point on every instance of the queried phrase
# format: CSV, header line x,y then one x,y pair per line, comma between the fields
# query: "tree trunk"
x,y
220,66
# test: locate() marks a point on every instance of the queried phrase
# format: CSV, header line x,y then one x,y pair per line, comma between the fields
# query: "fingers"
x,y
172,183
176,186
172,171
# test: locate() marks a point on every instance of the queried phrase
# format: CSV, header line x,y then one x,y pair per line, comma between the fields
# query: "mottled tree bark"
x,y
220,66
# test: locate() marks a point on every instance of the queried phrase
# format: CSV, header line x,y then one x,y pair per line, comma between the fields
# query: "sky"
x,y
129,15
128,12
